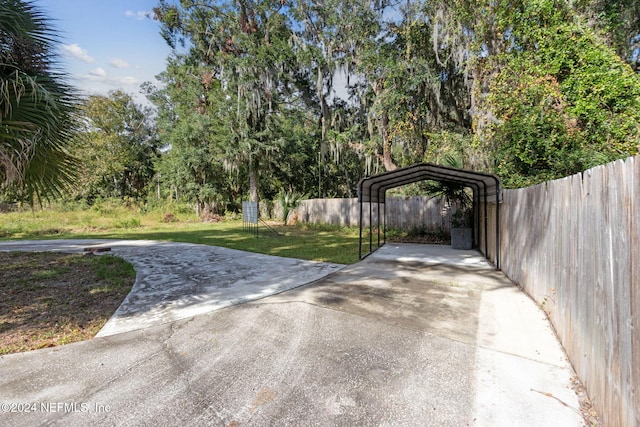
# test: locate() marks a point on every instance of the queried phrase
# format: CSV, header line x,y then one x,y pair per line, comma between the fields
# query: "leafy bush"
x,y
289,201
169,217
563,101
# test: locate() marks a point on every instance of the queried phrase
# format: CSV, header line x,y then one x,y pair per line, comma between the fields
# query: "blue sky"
x,y
108,44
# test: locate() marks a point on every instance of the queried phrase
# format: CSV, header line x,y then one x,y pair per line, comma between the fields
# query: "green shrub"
x,y
127,223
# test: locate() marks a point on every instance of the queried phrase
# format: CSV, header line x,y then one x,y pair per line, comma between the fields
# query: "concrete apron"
x,y
180,280
413,335
519,371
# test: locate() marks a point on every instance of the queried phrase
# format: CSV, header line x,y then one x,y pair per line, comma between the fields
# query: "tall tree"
x,y
199,164
419,92
548,96
562,99
117,147
36,105
247,46
324,45
524,88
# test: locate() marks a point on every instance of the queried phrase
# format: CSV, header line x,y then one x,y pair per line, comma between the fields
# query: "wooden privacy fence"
x,y
574,245
401,212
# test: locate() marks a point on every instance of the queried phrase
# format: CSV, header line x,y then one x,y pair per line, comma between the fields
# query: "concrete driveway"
x,y
412,335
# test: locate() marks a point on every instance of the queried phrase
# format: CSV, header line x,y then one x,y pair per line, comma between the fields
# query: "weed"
x,y
420,234
169,217
51,273
113,270
127,223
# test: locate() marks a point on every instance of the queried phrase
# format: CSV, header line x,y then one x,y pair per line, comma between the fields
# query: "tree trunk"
x,y
386,144
383,123
253,179
326,113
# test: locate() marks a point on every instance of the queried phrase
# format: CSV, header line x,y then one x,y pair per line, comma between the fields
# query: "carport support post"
x,y
378,223
486,228
382,195
385,220
360,232
497,233
370,227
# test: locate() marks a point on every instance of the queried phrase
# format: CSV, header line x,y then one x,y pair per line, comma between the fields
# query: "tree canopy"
x,y
117,147
528,89
262,98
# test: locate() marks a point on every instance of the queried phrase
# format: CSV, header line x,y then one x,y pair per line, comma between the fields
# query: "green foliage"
x,y
289,201
455,195
36,107
117,147
198,165
537,138
620,20
113,270
530,90
246,49
563,100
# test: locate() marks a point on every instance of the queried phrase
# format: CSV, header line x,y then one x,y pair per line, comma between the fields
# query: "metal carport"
x,y
485,187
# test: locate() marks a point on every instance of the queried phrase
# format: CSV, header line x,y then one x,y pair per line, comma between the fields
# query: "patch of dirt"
x,y
431,240
49,299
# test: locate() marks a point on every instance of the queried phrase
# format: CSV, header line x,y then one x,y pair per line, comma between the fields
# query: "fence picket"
x,y
573,245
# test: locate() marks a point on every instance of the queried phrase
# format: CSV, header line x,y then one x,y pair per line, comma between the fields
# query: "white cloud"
x,y
91,84
139,15
77,52
128,80
119,63
99,76
99,72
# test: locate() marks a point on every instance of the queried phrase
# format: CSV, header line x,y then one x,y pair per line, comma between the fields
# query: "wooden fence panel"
x,y
623,283
590,233
573,244
619,302
596,239
634,295
401,212
580,296
560,238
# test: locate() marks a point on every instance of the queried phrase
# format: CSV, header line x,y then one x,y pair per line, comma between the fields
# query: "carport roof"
x,y
374,188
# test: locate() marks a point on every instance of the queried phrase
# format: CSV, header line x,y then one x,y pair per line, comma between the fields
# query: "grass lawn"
x,y
49,299
310,242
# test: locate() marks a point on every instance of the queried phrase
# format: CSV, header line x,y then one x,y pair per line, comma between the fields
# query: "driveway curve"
x,y
179,280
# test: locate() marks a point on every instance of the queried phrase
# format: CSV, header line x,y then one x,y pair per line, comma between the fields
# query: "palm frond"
x,y
37,107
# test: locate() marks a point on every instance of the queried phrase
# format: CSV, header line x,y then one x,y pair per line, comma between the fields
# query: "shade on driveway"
x,y
413,335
